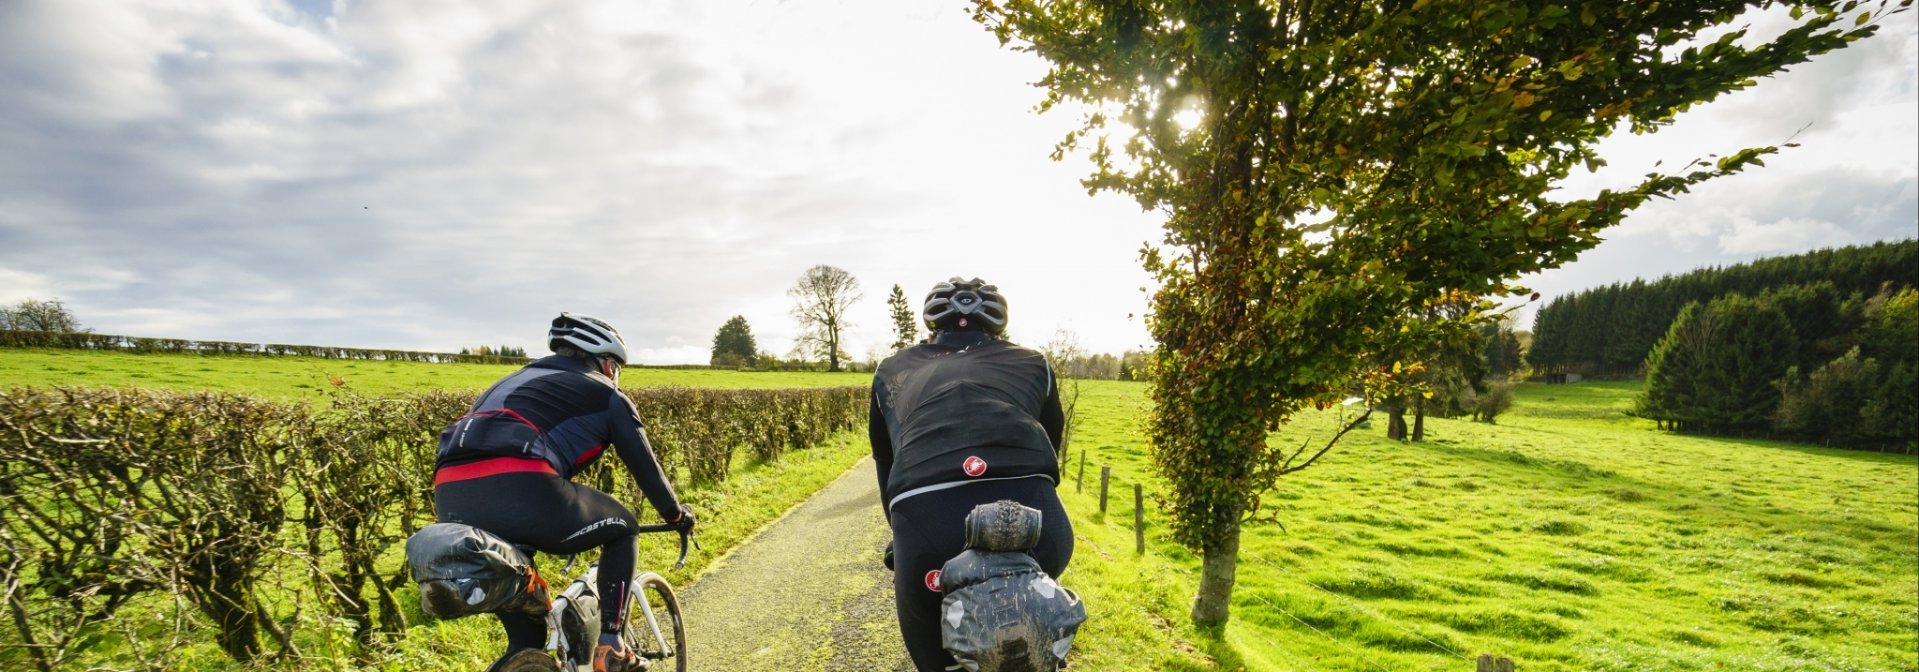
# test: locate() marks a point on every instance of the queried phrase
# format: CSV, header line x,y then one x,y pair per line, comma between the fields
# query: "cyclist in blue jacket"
x,y
962,420
505,467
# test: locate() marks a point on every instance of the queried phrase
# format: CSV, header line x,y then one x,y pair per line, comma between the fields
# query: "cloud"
x,y
1747,236
17,286
438,175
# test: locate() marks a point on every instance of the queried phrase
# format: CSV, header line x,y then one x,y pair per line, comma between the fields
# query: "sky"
x,y
439,175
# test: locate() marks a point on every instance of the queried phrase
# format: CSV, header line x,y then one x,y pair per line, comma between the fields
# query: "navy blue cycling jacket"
x,y
560,410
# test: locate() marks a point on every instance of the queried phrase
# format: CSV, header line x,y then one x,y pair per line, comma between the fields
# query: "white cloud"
x,y
1745,235
16,286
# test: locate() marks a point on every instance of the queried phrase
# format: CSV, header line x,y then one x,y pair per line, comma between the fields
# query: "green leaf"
x,y
1863,18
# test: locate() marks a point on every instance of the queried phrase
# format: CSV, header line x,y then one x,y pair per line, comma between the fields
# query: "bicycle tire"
x,y
530,660
662,609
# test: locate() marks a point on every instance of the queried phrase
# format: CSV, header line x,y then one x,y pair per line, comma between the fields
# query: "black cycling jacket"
x,y
558,409
963,408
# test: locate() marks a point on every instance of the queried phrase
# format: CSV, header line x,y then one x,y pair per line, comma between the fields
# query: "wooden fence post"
x,y
1081,486
1487,663
1139,519
1105,473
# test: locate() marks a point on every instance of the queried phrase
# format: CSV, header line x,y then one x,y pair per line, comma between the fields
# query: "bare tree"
x,y
1064,347
37,315
820,301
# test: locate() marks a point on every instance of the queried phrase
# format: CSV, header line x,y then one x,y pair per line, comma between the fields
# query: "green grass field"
x,y
1567,537
293,377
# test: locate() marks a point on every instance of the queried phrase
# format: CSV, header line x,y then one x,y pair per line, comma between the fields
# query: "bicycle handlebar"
x,y
686,537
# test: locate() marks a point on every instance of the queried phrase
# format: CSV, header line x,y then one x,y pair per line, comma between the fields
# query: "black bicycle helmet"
x,y
587,333
972,300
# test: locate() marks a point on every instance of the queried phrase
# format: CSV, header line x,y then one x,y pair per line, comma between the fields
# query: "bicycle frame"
x,y
582,596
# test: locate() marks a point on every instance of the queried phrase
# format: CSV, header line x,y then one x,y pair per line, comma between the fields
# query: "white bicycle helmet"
x,y
587,333
957,299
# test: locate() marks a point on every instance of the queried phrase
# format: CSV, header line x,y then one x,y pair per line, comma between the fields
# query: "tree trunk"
x,y
1396,424
235,625
1419,420
1216,575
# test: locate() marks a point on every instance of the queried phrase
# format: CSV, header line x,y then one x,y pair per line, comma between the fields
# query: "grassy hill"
x,y
1568,537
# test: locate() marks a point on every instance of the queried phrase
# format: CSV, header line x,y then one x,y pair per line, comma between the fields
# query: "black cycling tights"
x,y
553,515
930,528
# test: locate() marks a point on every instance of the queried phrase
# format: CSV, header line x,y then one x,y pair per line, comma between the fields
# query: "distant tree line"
x,y
1764,366
1455,358
1610,331
143,345
33,323
496,351
1128,365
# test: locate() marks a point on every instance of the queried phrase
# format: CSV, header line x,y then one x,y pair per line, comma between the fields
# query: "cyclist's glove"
x,y
686,520
888,556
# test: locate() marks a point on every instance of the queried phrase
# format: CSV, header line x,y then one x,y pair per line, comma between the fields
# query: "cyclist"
x,y
961,420
506,467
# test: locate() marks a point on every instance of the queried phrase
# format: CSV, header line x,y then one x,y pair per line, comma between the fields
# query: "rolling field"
x,y
1568,537
293,377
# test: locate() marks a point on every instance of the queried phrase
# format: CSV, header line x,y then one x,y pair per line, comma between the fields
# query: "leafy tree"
x,y
733,344
1813,311
1437,353
1891,416
1715,370
37,315
1827,406
1891,330
821,298
906,320
1133,365
1325,167
1868,396
1756,346
1500,350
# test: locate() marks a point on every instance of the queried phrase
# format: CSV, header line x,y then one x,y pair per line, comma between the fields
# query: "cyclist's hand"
x,y
888,556
686,520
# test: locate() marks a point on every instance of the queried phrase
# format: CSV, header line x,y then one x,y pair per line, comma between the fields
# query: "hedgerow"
x,y
263,518
10,338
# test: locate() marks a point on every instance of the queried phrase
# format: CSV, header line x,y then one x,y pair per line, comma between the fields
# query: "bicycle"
x,y
573,620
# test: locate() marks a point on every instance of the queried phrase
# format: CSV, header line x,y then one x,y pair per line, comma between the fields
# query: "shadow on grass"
x,y
1873,457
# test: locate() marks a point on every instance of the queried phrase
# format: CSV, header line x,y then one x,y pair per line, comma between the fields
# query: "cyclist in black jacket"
x,y
505,467
962,420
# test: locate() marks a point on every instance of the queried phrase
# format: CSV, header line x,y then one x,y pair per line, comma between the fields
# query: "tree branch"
x,y
1287,468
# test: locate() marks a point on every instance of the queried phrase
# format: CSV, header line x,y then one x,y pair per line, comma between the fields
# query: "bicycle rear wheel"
x,y
530,660
654,627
